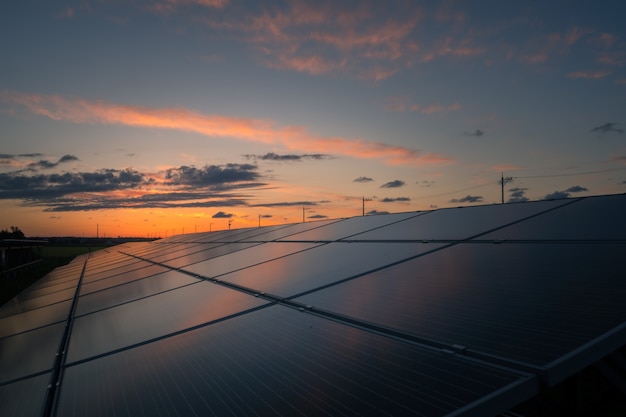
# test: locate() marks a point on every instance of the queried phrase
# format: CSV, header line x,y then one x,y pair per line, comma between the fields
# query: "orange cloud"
x,y
435,108
314,64
325,38
217,126
506,168
170,5
588,74
403,103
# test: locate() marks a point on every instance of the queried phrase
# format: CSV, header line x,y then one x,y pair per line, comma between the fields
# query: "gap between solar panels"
x,y
59,361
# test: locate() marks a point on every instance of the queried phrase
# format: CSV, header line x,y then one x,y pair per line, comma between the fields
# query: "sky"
x,y
160,117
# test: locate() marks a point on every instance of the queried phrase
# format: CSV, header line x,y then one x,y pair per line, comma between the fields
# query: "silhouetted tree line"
x,y
15,233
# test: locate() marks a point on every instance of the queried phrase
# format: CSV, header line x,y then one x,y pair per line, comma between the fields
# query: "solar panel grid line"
x,y
585,355
299,361
459,223
164,336
215,383
481,241
92,277
364,273
120,279
37,302
193,258
173,249
251,265
34,319
24,377
217,250
51,289
523,219
94,311
29,354
24,398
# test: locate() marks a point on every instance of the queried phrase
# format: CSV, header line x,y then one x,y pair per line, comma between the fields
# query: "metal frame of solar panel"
x,y
462,311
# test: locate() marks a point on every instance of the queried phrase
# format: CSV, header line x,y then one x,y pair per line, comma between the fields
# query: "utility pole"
x,y
504,180
229,222
364,200
259,220
303,218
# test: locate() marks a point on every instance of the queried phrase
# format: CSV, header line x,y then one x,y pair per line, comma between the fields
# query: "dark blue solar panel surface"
x,y
458,311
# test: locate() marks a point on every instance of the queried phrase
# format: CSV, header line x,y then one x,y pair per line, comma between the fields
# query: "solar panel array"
x,y
464,311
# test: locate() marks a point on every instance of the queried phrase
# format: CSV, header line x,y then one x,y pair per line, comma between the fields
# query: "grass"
x,y
52,257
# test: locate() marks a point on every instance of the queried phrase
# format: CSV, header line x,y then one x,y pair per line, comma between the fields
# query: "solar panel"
x,y
465,311
277,361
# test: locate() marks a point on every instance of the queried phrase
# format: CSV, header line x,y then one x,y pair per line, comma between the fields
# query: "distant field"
x,y
61,252
52,257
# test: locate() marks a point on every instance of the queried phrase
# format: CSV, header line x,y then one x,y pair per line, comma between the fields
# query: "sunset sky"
x,y
158,117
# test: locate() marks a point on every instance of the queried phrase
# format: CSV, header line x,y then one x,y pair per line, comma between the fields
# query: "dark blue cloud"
x,y
395,200
375,212
477,133
222,215
45,164
271,156
393,184
607,128
518,195
557,195
212,175
468,199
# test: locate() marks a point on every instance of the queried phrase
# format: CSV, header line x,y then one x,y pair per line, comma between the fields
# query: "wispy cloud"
x,y
363,179
477,133
45,164
168,6
607,128
393,184
323,37
17,161
506,167
405,103
589,75
271,156
216,126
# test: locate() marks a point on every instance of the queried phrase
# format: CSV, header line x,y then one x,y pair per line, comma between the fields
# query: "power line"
x,y
572,174
457,191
